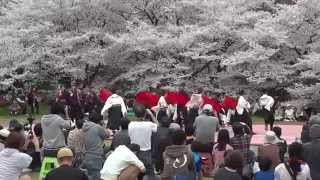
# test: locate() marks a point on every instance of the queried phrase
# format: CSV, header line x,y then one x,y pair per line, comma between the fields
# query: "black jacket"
x,y
65,172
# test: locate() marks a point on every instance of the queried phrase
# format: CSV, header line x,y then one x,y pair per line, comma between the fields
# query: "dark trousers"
x,y
146,158
268,118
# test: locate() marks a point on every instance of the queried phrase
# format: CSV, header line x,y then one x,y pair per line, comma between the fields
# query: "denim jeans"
x,y
93,164
146,158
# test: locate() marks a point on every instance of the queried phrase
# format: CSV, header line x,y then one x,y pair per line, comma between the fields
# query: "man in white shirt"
x,y
119,160
12,160
140,133
267,102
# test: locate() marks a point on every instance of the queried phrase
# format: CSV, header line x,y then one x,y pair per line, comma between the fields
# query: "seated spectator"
x,y
295,168
121,160
94,136
219,149
52,125
76,143
13,161
270,149
310,152
121,137
266,171
282,142
241,141
4,133
65,171
178,159
233,165
205,127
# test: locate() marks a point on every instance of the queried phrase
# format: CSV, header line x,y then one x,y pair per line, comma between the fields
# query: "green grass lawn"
x,y
5,116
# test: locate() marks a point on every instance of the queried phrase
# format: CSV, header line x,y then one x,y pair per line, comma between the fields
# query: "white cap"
x,y
270,138
207,107
4,133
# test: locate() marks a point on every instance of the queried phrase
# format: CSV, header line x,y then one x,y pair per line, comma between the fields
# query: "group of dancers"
x,y
183,109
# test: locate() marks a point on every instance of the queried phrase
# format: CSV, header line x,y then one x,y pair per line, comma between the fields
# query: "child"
x,y
265,173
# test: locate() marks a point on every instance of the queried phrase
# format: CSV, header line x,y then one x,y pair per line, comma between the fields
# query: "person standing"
x,y
241,140
121,137
31,100
140,133
178,159
66,171
242,113
94,136
311,151
206,126
267,102
115,109
76,143
52,127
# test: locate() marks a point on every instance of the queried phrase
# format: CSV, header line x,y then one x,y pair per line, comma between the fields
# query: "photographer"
x,y
33,145
53,126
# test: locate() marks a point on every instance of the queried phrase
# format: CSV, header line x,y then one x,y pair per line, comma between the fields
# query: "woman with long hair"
x,y
295,168
219,149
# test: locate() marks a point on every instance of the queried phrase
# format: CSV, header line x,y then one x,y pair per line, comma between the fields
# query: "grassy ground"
x,y
5,116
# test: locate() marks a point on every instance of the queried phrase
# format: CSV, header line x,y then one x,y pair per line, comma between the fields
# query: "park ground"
x,y
291,130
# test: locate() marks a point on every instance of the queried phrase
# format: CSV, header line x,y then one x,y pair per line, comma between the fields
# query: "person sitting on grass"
x,y
12,160
66,171
266,172
123,163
